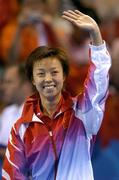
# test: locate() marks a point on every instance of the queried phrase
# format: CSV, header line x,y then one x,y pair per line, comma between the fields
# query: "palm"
x,y
79,19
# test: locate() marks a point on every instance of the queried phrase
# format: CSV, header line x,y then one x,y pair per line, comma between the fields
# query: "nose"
x,y
48,77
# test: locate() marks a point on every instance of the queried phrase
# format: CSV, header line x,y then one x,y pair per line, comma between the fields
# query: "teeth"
x,y
49,87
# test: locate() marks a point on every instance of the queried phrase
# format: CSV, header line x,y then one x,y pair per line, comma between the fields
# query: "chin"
x,y
50,98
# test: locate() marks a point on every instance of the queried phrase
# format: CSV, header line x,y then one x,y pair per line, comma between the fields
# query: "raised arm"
x,y
86,23
90,105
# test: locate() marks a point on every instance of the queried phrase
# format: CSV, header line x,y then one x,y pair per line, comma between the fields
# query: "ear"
x,y
33,82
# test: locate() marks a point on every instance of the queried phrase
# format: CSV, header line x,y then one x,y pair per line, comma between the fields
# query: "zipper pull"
x,y
50,132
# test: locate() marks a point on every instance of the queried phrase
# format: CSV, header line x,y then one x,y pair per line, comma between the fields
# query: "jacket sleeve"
x,y
14,166
91,104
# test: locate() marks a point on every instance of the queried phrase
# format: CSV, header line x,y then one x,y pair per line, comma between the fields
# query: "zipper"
x,y
55,152
50,132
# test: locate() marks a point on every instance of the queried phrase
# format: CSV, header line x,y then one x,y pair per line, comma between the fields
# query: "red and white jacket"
x,y
41,148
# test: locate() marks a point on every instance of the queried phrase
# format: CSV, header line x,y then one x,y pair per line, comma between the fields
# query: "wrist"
x,y
96,37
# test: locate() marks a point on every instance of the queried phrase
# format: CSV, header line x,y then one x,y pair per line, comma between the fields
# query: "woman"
x,y
54,136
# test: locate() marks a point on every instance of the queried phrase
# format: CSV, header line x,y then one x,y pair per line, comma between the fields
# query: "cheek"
x,y
60,82
37,83
35,80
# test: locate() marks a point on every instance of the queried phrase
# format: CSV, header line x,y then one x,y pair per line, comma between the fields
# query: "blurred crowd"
x,y
26,24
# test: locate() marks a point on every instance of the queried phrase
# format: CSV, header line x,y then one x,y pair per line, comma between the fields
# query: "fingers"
x,y
76,17
70,14
74,13
68,18
79,13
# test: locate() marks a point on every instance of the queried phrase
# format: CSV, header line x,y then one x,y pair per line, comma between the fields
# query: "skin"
x,y
48,79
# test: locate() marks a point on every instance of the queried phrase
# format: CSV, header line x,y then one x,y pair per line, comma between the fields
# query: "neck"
x,y
49,106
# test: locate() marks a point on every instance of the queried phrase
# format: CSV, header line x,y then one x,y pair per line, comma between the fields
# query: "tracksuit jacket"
x,y
59,148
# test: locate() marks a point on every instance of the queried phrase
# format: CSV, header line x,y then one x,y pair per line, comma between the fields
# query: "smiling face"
x,y
48,78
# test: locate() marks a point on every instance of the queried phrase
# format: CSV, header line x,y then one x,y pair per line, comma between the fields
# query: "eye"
x,y
41,74
55,72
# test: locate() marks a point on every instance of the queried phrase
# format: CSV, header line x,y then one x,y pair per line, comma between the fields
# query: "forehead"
x,y
47,63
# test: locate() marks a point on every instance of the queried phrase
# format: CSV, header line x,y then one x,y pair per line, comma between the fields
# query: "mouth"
x,y
49,87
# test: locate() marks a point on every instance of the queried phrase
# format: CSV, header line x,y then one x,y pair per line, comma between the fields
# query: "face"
x,y
11,85
48,78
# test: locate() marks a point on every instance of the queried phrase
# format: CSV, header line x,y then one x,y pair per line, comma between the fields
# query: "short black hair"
x,y
44,52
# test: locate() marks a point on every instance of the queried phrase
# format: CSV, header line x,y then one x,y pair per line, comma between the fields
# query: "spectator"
x,y
16,88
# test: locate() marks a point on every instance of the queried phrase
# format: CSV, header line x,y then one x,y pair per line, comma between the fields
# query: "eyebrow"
x,y
41,69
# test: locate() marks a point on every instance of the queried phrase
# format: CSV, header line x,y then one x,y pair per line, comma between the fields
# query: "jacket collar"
x,y
32,107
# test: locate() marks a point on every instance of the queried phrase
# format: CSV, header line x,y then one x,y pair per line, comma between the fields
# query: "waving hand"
x,y
85,22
